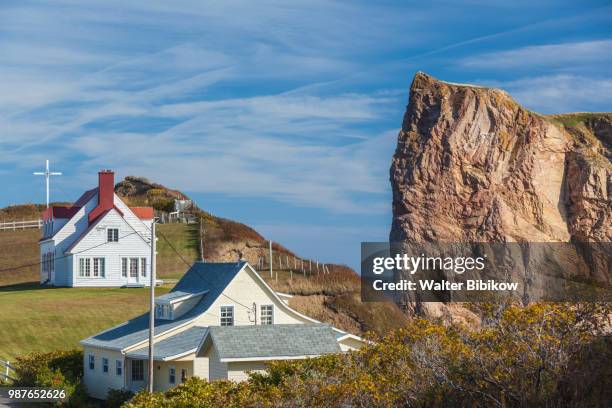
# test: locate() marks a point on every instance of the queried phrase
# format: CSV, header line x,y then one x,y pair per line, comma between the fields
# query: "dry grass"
x,y
336,282
335,298
19,248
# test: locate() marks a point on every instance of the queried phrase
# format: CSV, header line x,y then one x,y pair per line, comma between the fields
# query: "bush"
x,y
519,357
35,367
116,398
59,369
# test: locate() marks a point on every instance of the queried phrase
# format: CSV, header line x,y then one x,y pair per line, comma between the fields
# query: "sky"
x,y
279,114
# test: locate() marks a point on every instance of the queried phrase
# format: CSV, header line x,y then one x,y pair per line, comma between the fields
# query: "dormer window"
x,y
173,305
164,311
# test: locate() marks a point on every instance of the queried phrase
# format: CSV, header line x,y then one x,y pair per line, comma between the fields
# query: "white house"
x,y
219,321
98,241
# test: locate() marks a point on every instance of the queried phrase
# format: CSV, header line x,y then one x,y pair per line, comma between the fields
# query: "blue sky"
x,y
282,115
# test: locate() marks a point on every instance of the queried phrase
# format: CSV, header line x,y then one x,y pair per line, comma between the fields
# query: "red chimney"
x,y
106,194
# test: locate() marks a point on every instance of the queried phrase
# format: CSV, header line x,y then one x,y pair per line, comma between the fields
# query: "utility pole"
x,y
152,306
201,240
271,276
47,175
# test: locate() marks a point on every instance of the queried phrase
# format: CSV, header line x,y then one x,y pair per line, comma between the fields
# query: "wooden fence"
x,y
20,225
6,371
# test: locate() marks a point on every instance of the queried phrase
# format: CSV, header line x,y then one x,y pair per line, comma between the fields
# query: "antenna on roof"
x,y
47,175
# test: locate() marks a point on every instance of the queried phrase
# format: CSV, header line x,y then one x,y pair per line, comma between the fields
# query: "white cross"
x,y
47,175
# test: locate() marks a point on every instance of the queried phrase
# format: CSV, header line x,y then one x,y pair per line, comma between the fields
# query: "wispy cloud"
x,y
560,93
568,55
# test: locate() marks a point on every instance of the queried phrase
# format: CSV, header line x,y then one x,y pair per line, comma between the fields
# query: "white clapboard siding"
x,y
132,219
134,235
132,244
250,291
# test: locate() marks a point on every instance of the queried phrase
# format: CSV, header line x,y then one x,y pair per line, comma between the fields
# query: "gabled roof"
x,y
183,343
84,234
60,212
84,199
275,341
202,276
144,213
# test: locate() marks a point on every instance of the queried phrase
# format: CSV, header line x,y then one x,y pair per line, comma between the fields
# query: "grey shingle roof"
x,y
277,340
202,276
180,343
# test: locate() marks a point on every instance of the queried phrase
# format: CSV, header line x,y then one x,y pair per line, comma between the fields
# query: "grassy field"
x,y
45,319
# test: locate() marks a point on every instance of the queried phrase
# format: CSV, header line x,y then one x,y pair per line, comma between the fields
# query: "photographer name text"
x,y
433,285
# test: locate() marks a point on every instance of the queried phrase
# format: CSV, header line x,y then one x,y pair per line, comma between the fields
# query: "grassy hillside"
x,y
18,248
48,319
44,319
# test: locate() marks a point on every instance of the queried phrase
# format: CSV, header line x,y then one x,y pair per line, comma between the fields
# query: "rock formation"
x,y
472,165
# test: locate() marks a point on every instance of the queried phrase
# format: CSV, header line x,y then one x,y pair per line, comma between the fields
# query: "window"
x,y
133,267
105,365
112,234
183,375
119,367
98,267
86,270
137,370
124,267
267,314
85,267
92,362
163,311
143,267
226,316
172,375
47,264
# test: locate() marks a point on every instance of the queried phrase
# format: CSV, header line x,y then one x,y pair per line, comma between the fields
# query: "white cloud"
x,y
560,93
565,55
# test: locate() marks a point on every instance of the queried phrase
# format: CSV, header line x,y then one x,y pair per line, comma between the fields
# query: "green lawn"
x,y
46,319
35,319
184,238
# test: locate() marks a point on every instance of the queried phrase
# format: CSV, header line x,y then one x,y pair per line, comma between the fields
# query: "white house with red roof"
x,y
98,241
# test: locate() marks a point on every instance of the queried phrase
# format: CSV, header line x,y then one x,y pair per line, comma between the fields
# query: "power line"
x,y
125,236
62,257
190,265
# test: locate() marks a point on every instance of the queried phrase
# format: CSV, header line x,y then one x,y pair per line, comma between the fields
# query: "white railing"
x,y
6,369
20,225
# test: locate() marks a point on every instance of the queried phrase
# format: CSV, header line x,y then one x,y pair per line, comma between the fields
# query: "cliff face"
x,y
472,165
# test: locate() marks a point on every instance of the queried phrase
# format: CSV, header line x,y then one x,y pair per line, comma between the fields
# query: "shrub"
x,y
116,398
518,357
58,369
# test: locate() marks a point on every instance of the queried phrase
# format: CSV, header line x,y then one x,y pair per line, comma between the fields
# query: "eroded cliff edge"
x,y
472,165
